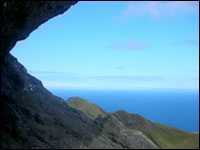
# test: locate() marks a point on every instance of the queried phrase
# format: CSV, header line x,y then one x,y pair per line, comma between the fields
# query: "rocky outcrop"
x,y
20,18
120,125
119,136
31,117
162,136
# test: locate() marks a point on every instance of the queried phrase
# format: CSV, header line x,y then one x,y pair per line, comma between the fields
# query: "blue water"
x,y
178,109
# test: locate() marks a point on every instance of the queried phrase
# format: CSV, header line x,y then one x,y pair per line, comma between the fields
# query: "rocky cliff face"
x,y
22,17
137,126
31,117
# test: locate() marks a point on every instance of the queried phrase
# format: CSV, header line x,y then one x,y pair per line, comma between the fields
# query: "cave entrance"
x,y
81,50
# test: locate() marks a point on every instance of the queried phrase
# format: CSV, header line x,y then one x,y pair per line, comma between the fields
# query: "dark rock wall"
x,y
20,18
31,117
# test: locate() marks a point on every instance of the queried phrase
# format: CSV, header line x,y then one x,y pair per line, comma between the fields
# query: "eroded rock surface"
x,y
20,18
31,117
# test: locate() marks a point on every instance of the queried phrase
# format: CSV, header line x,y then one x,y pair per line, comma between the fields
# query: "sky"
x,y
113,45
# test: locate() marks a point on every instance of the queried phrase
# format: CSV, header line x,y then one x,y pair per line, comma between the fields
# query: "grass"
x,y
164,137
172,138
86,107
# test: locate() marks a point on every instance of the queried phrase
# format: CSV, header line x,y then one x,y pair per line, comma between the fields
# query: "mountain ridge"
x,y
162,136
31,116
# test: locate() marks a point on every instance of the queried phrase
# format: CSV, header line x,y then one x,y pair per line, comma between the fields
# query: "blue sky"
x,y
116,45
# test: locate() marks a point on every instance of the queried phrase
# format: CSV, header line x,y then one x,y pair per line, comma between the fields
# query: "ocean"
x,y
179,109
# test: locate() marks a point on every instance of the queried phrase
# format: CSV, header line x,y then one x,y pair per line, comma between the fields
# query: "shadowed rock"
x,y
31,117
20,18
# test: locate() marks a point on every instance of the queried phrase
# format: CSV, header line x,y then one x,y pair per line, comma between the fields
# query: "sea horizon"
x,y
179,109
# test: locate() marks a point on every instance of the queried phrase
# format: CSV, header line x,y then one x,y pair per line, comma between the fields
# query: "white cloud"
x,y
193,84
129,45
64,85
161,9
187,42
129,78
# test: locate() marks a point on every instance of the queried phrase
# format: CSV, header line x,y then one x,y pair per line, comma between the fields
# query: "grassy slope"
x,y
172,138
86,107
162,136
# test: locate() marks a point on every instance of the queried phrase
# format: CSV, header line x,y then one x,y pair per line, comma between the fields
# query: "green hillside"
x,y
164,137
173,138
86,107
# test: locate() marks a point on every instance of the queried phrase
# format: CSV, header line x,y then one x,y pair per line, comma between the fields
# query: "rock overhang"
x,y
20,18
